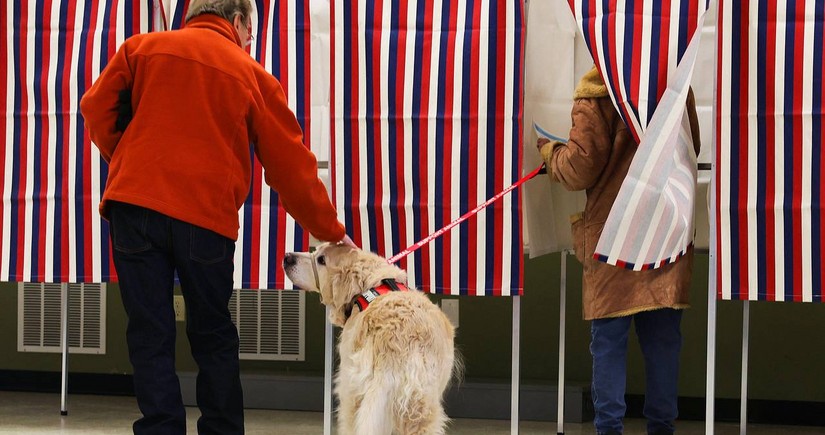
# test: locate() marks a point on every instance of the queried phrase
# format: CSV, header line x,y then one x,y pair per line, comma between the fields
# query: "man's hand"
x,y
347,241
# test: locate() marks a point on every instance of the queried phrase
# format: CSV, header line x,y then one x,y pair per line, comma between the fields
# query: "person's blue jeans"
x,y
148,248
661,341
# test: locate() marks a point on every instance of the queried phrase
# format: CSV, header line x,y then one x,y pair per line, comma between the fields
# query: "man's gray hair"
x,y
227,9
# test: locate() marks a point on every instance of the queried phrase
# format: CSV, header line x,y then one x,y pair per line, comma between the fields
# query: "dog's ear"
x,y
345,284
350,273
348,277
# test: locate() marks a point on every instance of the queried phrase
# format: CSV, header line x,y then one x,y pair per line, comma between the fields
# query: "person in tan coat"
x,y
596,159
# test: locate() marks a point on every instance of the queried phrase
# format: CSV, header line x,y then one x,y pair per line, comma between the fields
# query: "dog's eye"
x,y
321,260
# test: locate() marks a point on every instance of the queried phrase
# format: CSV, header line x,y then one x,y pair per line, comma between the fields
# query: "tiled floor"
x,y
39,413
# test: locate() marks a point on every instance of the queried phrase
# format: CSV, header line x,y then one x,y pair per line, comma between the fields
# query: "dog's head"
x,y
339,273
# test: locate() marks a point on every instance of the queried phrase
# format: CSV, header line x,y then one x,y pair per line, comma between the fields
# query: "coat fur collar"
x,y
591,85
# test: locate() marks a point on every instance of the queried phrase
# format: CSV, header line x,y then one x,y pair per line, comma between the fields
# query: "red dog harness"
x,y
363,300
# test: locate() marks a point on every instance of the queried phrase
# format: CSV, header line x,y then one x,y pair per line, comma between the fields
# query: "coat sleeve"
x,y
99,105
290,168
578,163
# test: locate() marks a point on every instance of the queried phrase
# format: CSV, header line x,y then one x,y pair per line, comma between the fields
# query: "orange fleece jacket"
x,y
199,101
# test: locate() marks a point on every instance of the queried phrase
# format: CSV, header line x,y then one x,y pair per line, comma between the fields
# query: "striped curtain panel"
x,y
645,50
427,113
52,178
769,161
281,43
173,13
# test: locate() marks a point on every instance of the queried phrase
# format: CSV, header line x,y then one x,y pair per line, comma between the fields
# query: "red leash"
x,y
438,233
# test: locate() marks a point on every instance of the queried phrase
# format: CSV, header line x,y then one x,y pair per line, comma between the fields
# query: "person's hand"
x,y
540,143
546,153
347,241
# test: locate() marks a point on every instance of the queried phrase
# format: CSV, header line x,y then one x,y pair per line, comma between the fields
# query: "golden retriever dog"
x,y
397,353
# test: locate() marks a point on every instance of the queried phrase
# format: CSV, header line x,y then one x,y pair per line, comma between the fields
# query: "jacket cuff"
x,y
547,155
547,150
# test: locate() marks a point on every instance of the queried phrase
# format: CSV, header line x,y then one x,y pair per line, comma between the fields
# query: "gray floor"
x,y
39,413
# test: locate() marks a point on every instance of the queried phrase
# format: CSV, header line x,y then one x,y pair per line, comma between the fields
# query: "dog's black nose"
x,y
290,259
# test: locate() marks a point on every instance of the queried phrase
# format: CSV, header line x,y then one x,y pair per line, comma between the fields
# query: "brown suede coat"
x,y
596,159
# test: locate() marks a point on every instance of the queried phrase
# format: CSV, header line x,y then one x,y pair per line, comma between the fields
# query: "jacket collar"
x,y
216,24
591,85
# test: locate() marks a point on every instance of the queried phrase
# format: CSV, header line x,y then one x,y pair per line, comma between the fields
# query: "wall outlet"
x,y
180,308
450,308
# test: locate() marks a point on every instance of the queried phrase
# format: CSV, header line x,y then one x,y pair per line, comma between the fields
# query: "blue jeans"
x,y
661,342
149,248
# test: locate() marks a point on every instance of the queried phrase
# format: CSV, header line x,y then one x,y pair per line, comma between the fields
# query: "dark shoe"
x,y
610,432
661,432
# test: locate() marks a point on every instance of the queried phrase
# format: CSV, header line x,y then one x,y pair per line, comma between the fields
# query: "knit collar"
x,y
216,24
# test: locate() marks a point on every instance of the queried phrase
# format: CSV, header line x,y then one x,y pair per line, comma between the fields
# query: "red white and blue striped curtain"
x,y
173,13
427,111
282,34
52,178
282,46
769,161
645,51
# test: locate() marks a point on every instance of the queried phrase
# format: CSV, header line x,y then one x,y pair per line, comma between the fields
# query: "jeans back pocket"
x,y
206,246
127,224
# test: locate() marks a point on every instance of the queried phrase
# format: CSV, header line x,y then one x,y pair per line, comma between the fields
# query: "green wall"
x,y
787,347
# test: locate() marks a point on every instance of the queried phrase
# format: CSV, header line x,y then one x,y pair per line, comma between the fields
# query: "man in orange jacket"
x,y
173,113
